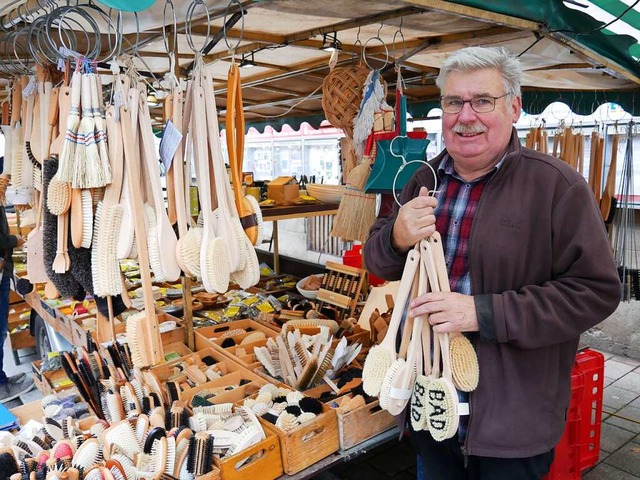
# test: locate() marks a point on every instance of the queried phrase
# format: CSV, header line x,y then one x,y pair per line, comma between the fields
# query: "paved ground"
x,y
619,448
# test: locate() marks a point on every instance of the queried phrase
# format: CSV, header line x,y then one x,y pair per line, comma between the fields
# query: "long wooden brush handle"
x,y
177,167
170,175
16,102
132,161
408,275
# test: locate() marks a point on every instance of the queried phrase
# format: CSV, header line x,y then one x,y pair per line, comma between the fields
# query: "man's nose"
x,y
467,113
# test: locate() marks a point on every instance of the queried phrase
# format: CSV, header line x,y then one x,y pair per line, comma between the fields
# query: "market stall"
x,y
190,358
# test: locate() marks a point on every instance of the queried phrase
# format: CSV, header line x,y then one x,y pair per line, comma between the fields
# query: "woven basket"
x,y
342,94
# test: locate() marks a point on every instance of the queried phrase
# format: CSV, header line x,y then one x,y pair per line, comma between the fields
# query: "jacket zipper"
x,y
464,447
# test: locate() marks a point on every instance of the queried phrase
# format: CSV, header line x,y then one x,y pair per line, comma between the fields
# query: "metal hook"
x,y
232,49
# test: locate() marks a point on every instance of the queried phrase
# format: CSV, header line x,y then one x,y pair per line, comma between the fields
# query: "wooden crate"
x,y
37,375
212,475
251,385
53,381
261,461
28,411
358,425
242,354
308,443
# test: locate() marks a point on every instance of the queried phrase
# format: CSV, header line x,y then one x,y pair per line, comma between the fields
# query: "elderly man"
x,y
529,264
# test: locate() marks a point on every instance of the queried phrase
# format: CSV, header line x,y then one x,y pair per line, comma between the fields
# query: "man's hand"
x,y
19,240
448,311
415,221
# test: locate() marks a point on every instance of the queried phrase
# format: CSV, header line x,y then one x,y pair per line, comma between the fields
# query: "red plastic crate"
x,y
579,446
353,258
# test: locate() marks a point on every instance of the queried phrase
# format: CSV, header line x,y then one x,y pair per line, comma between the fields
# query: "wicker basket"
x,y
342,94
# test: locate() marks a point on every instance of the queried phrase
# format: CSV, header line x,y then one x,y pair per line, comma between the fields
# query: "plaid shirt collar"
x,y
446,168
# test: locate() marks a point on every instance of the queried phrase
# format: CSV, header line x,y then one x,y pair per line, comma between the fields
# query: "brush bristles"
x,y
87,219
377,363
58,197
464,364
420,410
189,251
443,420
151,226
215,268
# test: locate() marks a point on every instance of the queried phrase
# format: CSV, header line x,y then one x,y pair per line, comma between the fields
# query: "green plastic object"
x,y
397,151
128,5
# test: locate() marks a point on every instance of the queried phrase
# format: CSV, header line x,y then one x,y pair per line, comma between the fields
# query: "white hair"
x,y
478,58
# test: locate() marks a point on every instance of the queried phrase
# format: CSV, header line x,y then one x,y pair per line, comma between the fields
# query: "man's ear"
x,y
516,108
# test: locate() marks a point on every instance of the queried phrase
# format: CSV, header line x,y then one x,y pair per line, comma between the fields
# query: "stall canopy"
x,y
581,52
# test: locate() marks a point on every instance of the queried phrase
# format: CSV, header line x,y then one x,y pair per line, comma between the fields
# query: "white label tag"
x,y
30,88
463,409
169,143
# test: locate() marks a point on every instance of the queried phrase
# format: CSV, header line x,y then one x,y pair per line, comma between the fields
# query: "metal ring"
x,y
402,167
174,30
91,53
189,25
113,49
224,27
386,51
393,43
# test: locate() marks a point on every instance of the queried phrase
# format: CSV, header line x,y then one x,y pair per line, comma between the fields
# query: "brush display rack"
x,y
340,289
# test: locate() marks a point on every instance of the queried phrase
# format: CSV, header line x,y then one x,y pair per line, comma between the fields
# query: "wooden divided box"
x,y
308,443
240,353
260,461
19,316
360,424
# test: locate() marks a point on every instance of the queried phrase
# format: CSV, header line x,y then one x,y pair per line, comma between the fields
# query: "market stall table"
x,y
288,212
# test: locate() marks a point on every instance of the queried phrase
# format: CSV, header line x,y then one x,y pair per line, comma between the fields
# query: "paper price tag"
x,y
30,88
169,143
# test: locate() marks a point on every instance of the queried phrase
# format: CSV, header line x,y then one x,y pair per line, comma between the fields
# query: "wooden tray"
x,y
358,425
265,461
305,445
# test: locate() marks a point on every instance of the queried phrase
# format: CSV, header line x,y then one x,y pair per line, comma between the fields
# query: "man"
x,y
530,269
10,387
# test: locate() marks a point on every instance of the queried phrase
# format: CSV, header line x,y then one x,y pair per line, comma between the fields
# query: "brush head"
x,y
376,365
420,410
464,363
443,419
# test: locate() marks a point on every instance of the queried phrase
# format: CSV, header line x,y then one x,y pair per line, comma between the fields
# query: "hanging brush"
x,y
100,128
68,151
87,172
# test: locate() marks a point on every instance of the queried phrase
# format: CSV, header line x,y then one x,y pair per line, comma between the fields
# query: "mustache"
x,y
468,128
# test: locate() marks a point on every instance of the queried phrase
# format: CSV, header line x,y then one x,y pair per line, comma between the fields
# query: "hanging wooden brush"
x,y
86,169
608,196
144,325
68,150
235,147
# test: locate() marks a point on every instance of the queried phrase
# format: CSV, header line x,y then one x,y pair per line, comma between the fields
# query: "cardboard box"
x,y
284,190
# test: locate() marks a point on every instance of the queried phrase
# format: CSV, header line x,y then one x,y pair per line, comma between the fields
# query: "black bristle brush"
x,y
172,391
208,360
228,342
155,433
8,464
308,404
65,283
293,410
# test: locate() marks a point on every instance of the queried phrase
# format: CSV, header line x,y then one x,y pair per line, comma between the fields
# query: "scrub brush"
x,y
381,357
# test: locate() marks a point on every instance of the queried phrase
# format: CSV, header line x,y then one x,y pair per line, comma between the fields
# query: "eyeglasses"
x,y
483,104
